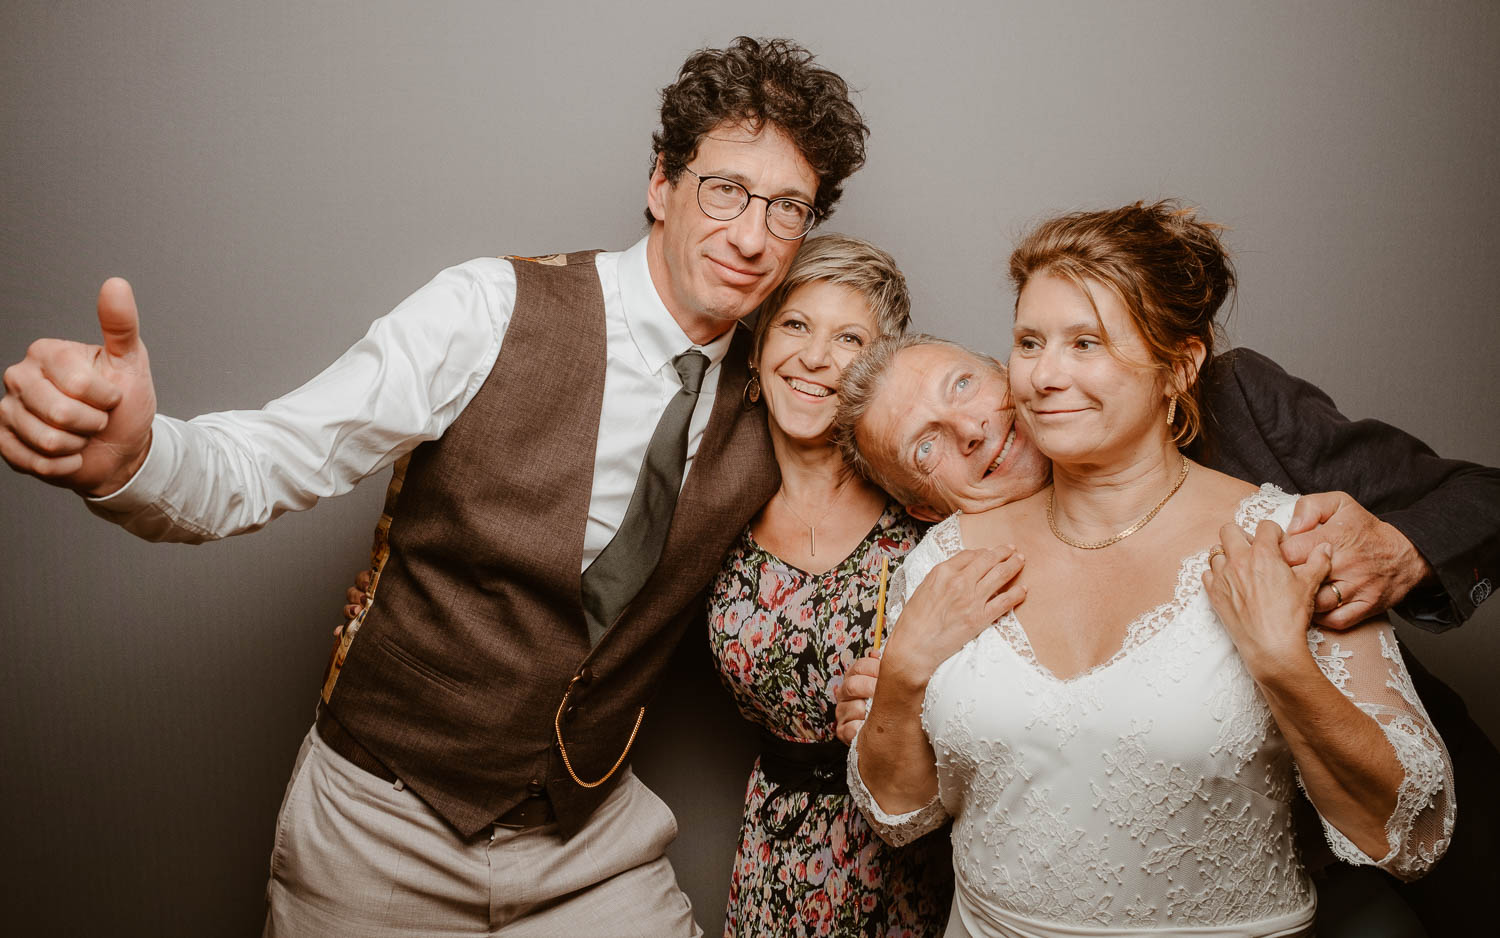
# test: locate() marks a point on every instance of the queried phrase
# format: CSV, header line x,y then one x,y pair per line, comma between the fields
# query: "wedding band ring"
x,y
1214,551
1337,594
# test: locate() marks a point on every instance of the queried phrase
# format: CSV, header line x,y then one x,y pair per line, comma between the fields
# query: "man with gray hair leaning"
x,y
1410,532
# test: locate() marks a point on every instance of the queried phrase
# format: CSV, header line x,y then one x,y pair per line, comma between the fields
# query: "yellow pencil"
x,y
880,604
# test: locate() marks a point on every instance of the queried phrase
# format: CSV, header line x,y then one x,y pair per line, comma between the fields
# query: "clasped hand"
x,y
1265,603
1374,565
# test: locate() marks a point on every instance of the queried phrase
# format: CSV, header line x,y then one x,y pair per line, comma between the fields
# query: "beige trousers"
x,y
357,856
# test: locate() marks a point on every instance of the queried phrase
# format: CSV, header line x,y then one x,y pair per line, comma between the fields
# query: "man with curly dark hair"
x,y
767,82
754,103
468,772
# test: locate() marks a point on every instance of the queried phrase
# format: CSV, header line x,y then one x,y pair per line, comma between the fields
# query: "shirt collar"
x,y
653,330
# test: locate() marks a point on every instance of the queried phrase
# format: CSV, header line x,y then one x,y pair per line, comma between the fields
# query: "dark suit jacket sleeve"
x,y
1268,426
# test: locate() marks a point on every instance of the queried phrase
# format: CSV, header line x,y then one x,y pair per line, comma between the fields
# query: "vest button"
x,y
536,787
569,713
585,675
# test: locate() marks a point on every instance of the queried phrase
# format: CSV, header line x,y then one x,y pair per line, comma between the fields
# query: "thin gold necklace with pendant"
x,y
812,529
1052,521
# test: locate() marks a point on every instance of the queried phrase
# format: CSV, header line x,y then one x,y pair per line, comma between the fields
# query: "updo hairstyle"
x,y
1169,269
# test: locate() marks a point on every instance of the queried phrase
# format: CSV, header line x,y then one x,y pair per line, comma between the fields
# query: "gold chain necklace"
x,y
1052,521
812,529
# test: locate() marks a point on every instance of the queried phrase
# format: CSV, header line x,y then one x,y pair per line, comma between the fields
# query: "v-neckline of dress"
x,y
807,574
1144,627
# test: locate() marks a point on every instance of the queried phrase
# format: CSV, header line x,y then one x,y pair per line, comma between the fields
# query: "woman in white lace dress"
x,y
1120,753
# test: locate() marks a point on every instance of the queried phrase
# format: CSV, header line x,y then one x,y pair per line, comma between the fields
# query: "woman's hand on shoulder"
x,y
960,598
1265,603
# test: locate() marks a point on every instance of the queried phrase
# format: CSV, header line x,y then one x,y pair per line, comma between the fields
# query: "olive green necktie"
x,y
621,569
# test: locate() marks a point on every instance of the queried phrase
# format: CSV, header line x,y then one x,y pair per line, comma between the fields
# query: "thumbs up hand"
x,y
79,415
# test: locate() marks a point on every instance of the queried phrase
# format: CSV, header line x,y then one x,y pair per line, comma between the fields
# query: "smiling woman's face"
x,y
818,330
1084,398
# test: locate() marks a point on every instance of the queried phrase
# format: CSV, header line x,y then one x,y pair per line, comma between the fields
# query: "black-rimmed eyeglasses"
x,y
724,200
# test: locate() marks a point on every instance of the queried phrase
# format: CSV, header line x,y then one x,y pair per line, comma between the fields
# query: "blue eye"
x,y
962,384
924,449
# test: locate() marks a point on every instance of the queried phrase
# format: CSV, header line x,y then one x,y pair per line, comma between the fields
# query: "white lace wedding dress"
x,y
1152,793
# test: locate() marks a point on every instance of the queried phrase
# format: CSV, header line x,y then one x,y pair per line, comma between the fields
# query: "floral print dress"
x,y
782,639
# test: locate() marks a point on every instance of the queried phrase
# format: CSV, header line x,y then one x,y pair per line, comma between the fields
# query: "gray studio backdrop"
x,y
272,176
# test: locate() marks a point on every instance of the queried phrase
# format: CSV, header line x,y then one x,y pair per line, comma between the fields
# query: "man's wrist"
x,y
1409,569
122,476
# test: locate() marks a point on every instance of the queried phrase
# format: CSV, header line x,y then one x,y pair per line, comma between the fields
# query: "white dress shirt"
x,y
405,382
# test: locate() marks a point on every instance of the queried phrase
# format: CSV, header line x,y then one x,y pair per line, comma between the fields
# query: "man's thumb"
x,y
118,320
1311,511
1319,565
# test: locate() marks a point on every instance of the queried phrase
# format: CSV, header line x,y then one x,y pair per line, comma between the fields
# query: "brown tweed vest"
x,y
455,677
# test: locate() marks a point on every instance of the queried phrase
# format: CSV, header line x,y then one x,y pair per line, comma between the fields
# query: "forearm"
x,y
1275,427
896,760
1456,529
226,474
405,381
1348,768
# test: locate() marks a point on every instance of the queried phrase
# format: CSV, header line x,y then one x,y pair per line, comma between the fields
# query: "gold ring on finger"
x,y
1214,551
1337,594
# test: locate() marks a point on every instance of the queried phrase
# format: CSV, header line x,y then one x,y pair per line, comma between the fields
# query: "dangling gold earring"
x,y
1171,411
752,390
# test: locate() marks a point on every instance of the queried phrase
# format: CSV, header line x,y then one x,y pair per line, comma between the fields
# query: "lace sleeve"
x,y
895,597
898,830
901,829
1365,664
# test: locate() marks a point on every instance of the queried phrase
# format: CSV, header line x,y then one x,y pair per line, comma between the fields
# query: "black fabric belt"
x,y
789,766
533,812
